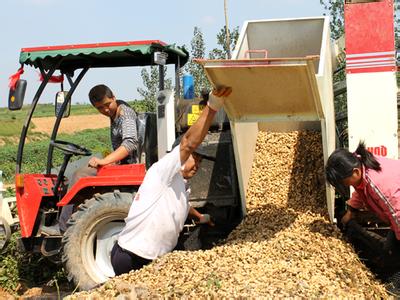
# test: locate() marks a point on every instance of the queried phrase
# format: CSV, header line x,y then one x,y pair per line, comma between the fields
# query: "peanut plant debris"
x,y
285,247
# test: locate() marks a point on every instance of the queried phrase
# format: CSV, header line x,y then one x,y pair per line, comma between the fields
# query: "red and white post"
x,y
371,76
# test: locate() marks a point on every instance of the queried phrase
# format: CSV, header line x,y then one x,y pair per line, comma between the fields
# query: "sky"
x,y
32,23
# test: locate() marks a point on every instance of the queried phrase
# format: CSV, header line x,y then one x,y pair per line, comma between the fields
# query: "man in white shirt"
x,y
161,206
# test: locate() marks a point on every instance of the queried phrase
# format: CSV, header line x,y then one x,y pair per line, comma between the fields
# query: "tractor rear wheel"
x,y
91,233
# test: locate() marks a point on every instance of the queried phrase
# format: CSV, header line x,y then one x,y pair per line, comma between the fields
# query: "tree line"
x,y
197,49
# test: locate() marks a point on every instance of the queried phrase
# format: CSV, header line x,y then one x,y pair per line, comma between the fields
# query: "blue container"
x,y
188,87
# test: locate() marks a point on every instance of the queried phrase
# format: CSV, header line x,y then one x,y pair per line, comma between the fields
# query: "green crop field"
x,y
34,161
11,122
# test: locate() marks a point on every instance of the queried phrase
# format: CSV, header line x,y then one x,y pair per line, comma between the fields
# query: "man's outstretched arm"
x,y
196,133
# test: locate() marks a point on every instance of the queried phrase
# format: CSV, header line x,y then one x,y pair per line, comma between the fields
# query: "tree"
x,y
150,90
335,9
397,22
197,50
228,36
223,53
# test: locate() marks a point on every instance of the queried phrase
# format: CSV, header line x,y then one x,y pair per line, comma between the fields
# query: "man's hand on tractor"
x,y
216,98
95,162
111,158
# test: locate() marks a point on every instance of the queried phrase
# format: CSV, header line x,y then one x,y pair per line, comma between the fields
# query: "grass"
x,y
12,121
44,110
30,269
10,128
35,152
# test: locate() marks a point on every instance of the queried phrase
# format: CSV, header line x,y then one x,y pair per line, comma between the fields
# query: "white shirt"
x,y
158,211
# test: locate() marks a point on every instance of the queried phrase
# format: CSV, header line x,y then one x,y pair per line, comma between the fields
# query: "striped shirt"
x,y
124,132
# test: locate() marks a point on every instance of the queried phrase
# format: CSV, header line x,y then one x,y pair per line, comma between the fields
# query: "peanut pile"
x,y
285,246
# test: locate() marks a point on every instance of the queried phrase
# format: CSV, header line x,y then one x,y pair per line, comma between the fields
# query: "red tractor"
x,y
103,201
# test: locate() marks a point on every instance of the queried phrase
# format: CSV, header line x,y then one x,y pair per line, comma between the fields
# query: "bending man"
x,y
161,206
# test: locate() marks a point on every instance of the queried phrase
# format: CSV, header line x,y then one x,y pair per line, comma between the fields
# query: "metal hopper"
x,y
281,74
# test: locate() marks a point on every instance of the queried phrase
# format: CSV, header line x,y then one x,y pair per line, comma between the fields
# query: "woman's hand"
x,y
347,217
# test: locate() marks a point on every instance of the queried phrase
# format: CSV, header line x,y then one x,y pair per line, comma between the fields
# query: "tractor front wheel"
x,y
5,234
91,233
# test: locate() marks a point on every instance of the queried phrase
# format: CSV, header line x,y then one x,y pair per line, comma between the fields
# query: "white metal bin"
x,y
281,74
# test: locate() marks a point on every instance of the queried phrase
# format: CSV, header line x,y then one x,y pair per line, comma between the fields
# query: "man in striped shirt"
x,y
123,127
124,140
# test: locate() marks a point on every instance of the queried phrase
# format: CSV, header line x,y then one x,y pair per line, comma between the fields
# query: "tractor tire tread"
x,y
74,237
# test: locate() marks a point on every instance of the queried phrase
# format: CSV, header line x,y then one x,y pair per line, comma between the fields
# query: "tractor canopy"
x,y
102,55
70,58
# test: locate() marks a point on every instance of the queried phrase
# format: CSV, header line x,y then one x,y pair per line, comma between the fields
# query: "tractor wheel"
x,y
5,234
91,234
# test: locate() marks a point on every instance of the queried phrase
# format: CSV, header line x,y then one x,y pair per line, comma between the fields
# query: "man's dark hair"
x,y
341,164
98,93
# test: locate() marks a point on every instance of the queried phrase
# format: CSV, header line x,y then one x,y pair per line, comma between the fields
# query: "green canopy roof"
x,y
101,55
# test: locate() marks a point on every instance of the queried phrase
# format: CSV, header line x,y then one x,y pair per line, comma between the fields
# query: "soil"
x,y
42,292
5,295
45,293
71,124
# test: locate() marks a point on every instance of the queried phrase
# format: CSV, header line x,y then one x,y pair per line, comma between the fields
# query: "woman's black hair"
x,y
341,164
98,93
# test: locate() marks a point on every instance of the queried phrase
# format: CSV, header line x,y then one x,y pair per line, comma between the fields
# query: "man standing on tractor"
x,y
160,207
124,140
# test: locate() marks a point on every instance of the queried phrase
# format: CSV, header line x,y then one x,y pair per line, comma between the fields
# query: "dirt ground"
x,y
37,293
5,295
71,124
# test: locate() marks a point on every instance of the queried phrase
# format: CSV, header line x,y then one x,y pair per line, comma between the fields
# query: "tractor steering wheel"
x,y
71,148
